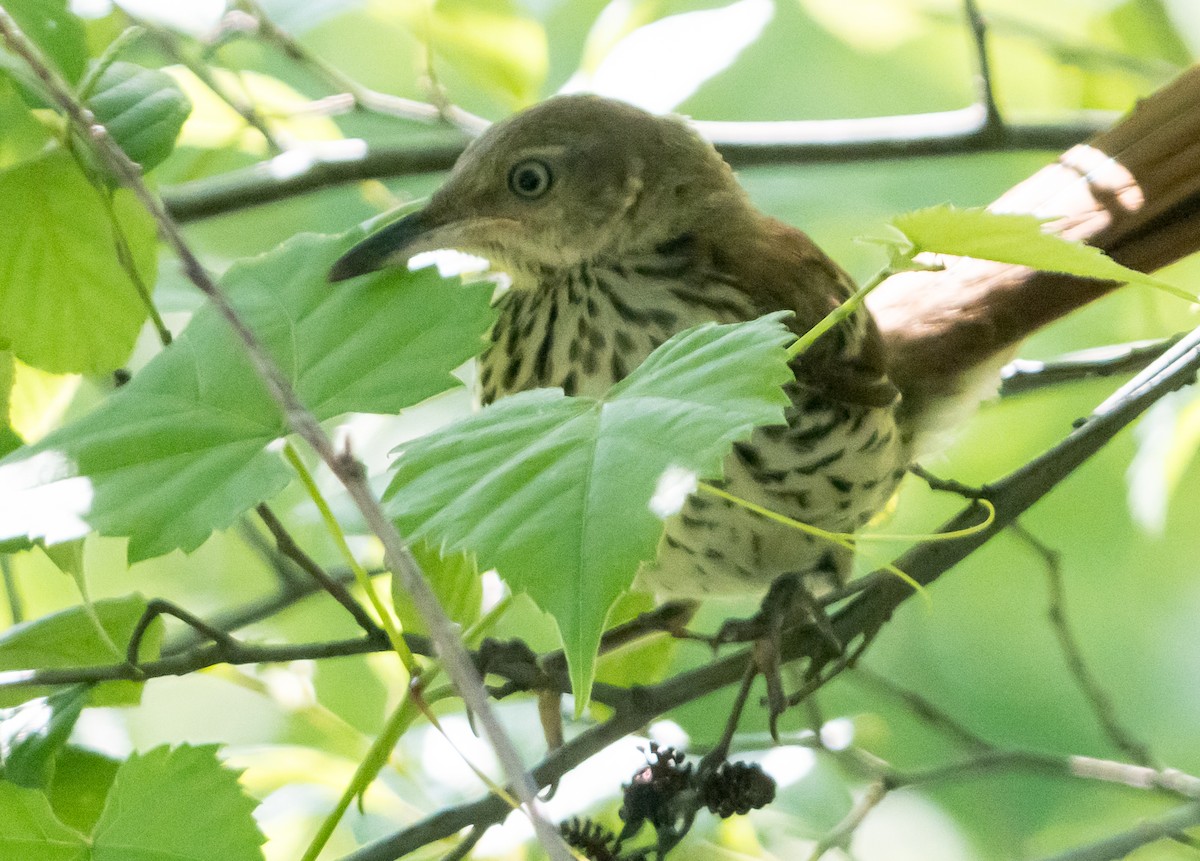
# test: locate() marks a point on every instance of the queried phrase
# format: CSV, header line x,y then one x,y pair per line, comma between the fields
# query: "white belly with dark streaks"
x,y
833,466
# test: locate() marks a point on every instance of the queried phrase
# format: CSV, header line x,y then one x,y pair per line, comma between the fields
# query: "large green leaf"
x,y
69,638
554,491
143,109
1012,238
177,805
57,32
30,831
66,303
182,449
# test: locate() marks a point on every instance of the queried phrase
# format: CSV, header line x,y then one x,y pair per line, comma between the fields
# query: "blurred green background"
x,y
982,648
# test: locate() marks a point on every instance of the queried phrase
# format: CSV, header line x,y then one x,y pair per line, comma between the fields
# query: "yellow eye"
x,y
530,178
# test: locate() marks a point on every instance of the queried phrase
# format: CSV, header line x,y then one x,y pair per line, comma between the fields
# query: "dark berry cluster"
x,y
737,787
667,792
650,796
591,839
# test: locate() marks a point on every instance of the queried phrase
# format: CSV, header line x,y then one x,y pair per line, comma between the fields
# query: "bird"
x,y
619,228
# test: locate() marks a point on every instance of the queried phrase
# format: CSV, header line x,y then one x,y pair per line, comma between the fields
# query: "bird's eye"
x,y
530,178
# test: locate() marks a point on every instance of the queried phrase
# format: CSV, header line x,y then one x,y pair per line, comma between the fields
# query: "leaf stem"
x,y
360,574
841,539
841,312
407,710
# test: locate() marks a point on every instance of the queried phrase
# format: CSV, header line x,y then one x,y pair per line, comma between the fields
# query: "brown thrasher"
x,y
620,228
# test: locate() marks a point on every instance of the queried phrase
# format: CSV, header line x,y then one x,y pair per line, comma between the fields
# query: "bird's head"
x,y
574,179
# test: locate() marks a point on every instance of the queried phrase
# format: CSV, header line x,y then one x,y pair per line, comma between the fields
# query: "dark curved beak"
x,y
391,246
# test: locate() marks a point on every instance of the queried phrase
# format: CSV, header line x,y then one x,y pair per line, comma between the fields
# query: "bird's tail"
x,y
1133,192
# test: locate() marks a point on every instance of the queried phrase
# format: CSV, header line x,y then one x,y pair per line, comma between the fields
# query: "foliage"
x,y
160,455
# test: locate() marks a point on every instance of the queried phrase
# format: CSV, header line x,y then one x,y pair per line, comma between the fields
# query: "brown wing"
x,y
782,269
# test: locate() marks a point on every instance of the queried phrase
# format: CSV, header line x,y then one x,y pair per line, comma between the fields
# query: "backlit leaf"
x,y
1018,239
66,303
182,449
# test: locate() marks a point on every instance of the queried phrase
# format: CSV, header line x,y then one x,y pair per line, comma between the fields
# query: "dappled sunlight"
x,y
41,498
658,66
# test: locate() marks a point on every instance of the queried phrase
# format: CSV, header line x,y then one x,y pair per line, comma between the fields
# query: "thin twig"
x,y
839,836
1121,845
159,607
924,709
361,96
987,95
348,470
1026,375
283,568
743,144
169,44
1098,698
288,547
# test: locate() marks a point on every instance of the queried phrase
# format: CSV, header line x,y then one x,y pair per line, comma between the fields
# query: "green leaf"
x,y
495,46
35,732
456,582
177,805
1018,239
80,784
66,303
143,109
554,491
56,31
21,135
30,831
69,638
1144,29
182,449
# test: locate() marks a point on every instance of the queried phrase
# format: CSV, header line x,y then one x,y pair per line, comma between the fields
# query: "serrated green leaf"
x,y
69,638
57,32
66,303
554,491
30,831
182,449
34,732
1021,240
143,109
199,811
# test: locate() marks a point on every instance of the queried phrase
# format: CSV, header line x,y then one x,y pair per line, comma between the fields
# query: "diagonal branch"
x,y
349,471
1121,845
859,620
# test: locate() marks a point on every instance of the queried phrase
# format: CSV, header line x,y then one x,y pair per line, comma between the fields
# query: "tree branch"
x,y
349,471
743,144
1121,845
1027,375
287,545
1099,700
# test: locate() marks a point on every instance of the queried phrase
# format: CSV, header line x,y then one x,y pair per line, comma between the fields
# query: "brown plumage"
x,y
620,228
